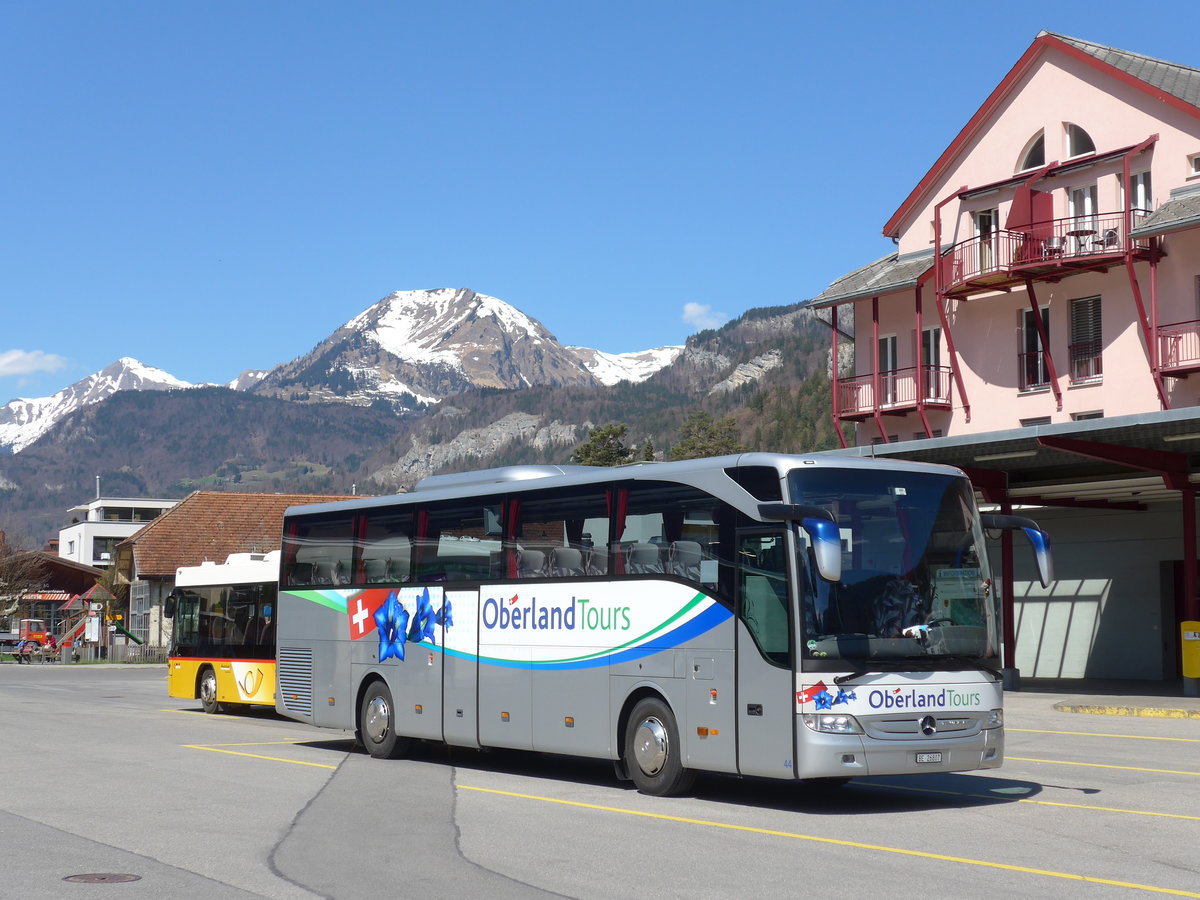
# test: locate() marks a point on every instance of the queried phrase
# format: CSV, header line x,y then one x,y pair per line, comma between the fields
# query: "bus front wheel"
x,y
377,724
653,756
208,691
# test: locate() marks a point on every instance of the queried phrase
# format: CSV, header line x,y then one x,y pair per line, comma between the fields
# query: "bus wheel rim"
x,y
208,687
377,718
651,745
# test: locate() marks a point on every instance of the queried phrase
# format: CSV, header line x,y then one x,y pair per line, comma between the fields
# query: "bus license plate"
x,y
934,757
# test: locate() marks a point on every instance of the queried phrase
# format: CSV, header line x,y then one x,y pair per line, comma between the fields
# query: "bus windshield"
x,y
225,620
915,581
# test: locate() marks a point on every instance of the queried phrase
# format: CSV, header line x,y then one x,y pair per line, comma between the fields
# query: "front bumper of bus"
x,y
899,745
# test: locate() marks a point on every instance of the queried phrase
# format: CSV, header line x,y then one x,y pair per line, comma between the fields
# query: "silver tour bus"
x,y
793,617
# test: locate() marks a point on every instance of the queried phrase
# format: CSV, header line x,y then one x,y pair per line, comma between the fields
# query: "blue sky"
x,y
213,187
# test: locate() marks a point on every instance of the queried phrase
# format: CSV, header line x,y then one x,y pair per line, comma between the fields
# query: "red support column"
x,y
939,299
922,377
876,383
1191,603
833,378
1044,338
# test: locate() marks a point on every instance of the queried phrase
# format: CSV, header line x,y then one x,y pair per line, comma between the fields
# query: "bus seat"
x,y
566,561
375,570
300,573
596,561
532,564
642,558
685,559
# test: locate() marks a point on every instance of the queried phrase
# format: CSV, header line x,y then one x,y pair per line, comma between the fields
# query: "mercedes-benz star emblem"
x,y
928,725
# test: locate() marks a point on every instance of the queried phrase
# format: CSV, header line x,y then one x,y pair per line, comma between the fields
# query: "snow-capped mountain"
x,y
23,421
411,349
417,347
609,368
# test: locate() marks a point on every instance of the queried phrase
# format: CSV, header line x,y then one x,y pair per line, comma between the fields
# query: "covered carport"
x,y
1118,497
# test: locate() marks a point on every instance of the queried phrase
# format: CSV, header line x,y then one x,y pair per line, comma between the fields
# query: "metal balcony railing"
x,y
897,388
1032,372
1087,361
1075,240
1179,346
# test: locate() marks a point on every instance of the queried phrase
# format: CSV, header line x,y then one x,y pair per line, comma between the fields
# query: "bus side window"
x,y
559,534
320,550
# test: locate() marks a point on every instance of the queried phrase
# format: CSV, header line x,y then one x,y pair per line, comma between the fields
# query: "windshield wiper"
x,y
857,673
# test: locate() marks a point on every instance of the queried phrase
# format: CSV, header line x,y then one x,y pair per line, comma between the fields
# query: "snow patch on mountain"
x,y
610,368
24,420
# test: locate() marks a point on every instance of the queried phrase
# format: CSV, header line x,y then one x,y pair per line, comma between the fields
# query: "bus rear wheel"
x,y
208,691
653,756
377,724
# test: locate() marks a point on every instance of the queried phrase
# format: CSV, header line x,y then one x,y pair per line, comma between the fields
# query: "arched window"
x,y
1035,153
1079,141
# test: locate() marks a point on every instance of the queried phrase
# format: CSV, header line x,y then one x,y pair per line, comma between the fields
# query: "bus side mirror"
x,y
821,528
169,604
827,547
1038,539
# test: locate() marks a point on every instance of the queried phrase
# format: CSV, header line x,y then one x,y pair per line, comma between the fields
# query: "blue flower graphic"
x,y
444,616
423,620
844,696
824,700
391,619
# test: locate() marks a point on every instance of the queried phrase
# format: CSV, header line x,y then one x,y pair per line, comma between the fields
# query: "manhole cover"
x,y
102,878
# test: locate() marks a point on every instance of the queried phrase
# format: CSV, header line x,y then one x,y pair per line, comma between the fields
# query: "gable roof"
x,y
209,525
1173,84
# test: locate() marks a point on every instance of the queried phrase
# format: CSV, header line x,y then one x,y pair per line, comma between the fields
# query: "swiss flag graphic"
x,y
361,612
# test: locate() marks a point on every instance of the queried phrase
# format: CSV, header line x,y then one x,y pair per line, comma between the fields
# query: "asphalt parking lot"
x,y
107,779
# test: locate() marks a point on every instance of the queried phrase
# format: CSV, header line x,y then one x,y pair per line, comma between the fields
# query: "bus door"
x,y
765,703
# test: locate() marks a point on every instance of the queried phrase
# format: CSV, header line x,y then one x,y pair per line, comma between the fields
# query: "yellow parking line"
x,y
1003,799
921,854
1063,762
219,748
1129,737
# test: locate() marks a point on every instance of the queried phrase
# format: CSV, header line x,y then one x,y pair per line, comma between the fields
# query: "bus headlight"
x,y
995,719
832,724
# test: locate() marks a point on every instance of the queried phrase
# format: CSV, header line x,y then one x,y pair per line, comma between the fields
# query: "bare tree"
x,y
21,574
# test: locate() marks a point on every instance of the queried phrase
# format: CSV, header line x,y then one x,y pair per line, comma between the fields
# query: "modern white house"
x,y
97,527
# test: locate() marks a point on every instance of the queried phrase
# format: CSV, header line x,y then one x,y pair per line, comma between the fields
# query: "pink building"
x,y
1038,326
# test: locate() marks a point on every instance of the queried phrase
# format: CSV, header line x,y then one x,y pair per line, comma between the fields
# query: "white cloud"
x,y
699,315
27,362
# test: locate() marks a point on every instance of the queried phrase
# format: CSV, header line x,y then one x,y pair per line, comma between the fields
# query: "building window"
x,y
1142,200
1087,341
1033,423
987,231
1079,141
887,369
1082,206
1035,156
935,382
1194,164
139,610
1034,373
1084,416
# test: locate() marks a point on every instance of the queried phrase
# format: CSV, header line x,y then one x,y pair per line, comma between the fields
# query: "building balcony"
x,y
1045,251
1179,348
893,391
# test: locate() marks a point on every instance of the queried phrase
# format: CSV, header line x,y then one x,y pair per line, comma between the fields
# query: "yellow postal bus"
x,y
223,648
